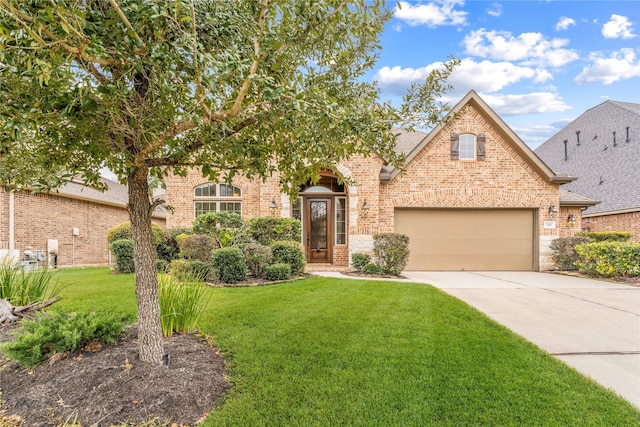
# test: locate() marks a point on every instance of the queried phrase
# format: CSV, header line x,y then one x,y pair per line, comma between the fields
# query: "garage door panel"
x,y
471,239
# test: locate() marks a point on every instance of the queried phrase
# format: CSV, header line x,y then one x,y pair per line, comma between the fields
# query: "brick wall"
x,y
39,217
629,221
567,229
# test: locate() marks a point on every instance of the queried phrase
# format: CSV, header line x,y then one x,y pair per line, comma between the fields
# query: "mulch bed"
x,y
105,386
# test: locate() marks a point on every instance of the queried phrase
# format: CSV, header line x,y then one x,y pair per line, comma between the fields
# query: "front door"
x,y
318,228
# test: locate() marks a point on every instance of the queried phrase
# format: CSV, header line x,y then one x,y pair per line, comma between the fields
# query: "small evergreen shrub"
x,y
564,251
168,248
221,226
181,302
372,269
289,252
359,260
229,265
182,269
123,231
278,271
59,332
609,259
606,236
122,250
196,247
161,266
266,230
257,258
391,251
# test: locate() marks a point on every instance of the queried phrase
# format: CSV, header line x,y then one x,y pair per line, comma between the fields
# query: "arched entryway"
x,y
322,209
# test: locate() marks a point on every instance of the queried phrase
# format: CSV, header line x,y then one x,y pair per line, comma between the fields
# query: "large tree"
x,y
150,87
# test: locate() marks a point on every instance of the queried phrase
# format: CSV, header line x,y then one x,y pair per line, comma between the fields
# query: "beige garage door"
x,y
468,239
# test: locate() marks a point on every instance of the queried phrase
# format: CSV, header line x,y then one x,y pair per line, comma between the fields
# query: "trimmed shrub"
x,y
229,265
221,226
181,303
266,230
279,271
289,252
257,258
564,251
184,269
359,260
391,251
122,231
609,259
372,269
59,332
196,247
606,236
123,252
168,248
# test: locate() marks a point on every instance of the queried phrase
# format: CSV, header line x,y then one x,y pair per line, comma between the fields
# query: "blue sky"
x,y
538,64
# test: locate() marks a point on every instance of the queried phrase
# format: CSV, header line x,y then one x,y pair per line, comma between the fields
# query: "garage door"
x,y
468,239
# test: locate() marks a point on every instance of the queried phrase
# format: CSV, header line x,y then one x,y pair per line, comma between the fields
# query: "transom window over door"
x,y
213,197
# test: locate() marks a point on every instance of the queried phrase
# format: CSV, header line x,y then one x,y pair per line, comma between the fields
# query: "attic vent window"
x,y
578,137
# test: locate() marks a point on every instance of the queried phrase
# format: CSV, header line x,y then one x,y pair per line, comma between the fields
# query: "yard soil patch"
x,y
109,385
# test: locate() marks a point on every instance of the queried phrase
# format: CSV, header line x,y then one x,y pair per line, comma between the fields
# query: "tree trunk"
x,y
144,256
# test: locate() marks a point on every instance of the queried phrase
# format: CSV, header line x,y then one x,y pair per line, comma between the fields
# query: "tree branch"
x,y
126,22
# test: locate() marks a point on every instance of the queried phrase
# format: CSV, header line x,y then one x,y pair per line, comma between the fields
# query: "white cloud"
x,y
622,64
528,48
530,103
495,10
484,76
535,135
564,23
618,27
432,14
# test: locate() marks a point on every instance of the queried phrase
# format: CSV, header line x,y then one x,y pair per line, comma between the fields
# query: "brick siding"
x,y
629,221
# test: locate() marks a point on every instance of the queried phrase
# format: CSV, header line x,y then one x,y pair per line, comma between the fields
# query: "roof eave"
x,y
617,212
563,179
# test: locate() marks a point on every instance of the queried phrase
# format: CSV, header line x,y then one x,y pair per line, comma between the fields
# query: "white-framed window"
x,y
341,220
214,197
467,147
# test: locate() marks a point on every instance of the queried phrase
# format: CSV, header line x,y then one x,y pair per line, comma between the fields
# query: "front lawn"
x,y
324,351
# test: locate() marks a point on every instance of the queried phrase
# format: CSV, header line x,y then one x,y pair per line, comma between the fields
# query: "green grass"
x,y
364,353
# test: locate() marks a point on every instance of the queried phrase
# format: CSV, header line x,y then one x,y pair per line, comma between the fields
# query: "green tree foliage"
x,y
152,87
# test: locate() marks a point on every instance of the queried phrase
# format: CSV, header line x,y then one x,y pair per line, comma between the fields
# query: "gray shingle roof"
x,y
115,195
606,172
568,198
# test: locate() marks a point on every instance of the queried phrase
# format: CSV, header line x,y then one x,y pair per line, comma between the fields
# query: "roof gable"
x,y
608,171
474,100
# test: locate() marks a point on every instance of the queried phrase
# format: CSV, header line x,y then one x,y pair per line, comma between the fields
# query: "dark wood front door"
x,y
318,228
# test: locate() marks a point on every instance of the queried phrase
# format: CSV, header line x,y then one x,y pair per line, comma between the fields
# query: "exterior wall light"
x,y
553,211
273,207
571,220
365,209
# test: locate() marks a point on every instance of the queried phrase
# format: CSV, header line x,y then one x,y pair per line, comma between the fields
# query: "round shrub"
x,y
372,269
196,247
221,226
161,265
564,251
190,269
168,248
391,251
359,260
123,231
277,272
229,265
122,250
257,258
288,252
268,229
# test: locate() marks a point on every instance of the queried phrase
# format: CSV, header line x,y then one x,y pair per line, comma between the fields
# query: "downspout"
x,y
12,224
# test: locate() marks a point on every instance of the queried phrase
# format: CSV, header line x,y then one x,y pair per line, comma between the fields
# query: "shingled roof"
x,y
607,170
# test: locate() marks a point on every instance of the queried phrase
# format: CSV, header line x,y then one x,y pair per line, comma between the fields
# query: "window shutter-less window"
x,y
455,146
481,151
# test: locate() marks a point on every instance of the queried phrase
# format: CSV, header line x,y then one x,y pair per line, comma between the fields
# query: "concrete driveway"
x,y
593,326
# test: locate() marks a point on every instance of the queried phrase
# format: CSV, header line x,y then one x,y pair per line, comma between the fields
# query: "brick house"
x,y
602,148
74,220
473,197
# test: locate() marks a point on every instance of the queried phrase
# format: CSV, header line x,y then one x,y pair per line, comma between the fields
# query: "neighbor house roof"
x,y
116,194
411,143
607,170
568,198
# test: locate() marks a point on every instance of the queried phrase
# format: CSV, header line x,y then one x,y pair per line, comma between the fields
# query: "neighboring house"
x,y
72,222
602,148
473,197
